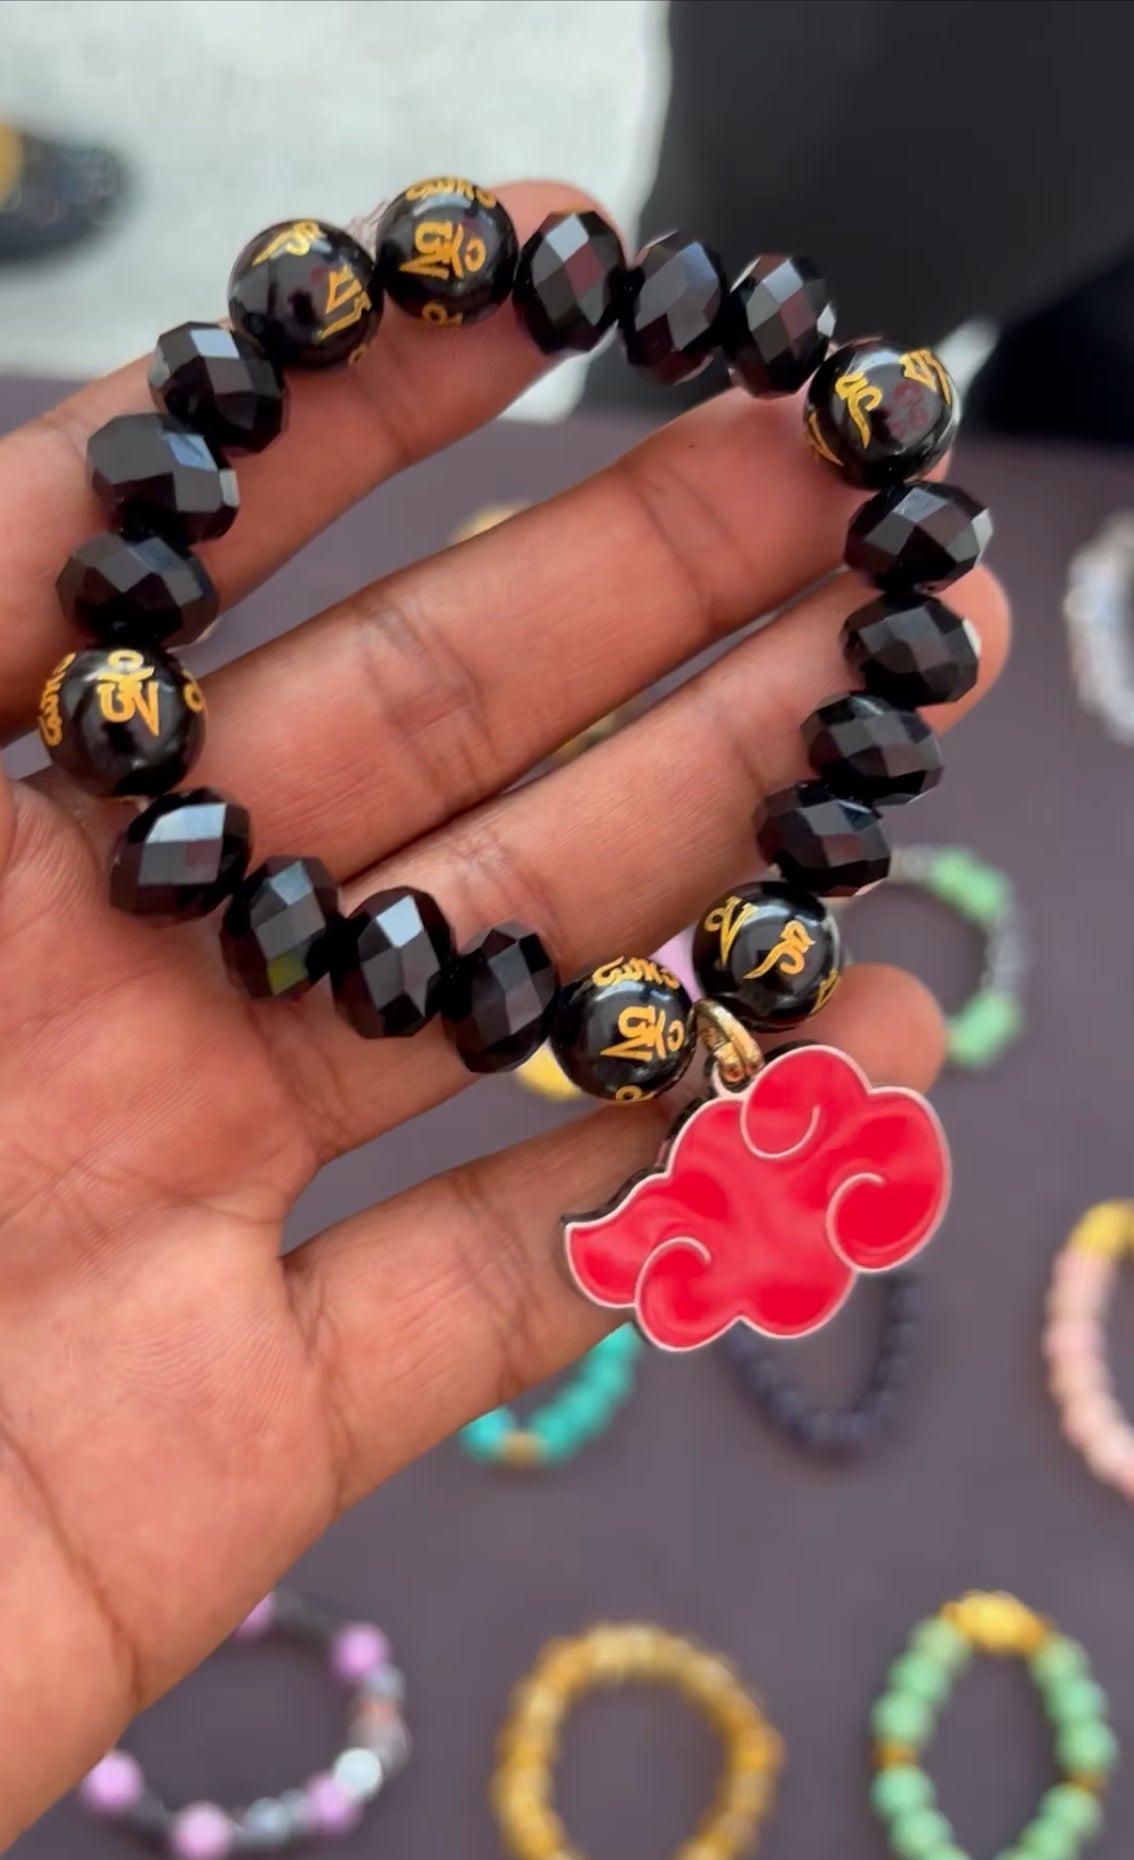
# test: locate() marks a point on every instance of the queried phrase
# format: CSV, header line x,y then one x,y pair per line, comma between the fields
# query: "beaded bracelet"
x,y
123,718
582,1410
838,1435
1075,1346
980,1032
1096,610
328,1804
920,1682
631,1654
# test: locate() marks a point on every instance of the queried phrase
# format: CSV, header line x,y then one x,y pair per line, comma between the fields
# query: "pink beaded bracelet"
x,y
330,1803
1075,1347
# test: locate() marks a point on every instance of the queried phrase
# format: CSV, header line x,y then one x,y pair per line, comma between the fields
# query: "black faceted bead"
x,y
913,650
918,536
769,952
821,841
121,720
568,282
181,858
304,291
625,1031
778,324
154,474
139,585
390,961
447,251
500,998
866,749
219,382
277,934
672,308
879,414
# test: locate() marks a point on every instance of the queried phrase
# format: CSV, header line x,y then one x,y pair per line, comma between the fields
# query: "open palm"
x,y
181,1411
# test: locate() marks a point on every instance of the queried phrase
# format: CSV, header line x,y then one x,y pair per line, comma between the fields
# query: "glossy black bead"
x,y
137,585
918,536
221,383
278,932
568,282
390,960
180,858
777,325
447,251
672,308
625,1030
769,952
913,650
880,414
864,748
821,841
153,474
500,998
122,720
304,291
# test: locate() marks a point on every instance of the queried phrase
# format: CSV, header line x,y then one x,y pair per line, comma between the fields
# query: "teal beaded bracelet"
x,y
981,1031
577,1414
918,1685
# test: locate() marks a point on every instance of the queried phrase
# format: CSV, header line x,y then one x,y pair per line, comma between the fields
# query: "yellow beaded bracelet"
x,y
619,1654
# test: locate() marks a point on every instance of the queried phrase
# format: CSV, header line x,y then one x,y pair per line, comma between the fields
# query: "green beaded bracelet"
x,y
919,1683
578,1413
993,1018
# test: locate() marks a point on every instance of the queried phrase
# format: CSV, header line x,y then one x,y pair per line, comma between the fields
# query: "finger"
x,y
618,850
445,682
414,391
461,1278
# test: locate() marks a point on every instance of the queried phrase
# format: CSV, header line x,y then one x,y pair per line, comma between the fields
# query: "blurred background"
x,y
962,171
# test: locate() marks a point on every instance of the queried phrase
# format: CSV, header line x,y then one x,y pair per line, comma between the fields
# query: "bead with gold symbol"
x,y
304,290
880,414
447,251
522,1791
122,721
770,952
624,1030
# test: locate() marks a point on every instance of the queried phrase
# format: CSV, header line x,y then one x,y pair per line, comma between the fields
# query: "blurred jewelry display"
x,y
615,1655
1074,1343
992,1019
833,1434
919,1684
1096,611
576,1415
328,1804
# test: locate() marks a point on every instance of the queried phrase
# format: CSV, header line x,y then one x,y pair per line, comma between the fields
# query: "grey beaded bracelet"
x,y
328,1804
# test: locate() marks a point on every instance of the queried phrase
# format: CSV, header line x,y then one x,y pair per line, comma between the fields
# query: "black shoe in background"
x,y
53,194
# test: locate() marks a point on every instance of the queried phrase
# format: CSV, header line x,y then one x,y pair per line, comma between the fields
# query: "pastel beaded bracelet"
x,y
992,1019
330,1803
577,1414
632,1653
918,1685
1075,1347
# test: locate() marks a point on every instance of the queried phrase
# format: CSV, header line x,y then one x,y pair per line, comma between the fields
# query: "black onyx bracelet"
x,y
123,718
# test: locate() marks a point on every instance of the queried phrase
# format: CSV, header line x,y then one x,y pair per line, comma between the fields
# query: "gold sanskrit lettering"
x,y
442,251
646,1034
634,969
451,184
789,954
861,397
345,294
826,990
296,240
50,715
815,438
730,918
922,366
126,690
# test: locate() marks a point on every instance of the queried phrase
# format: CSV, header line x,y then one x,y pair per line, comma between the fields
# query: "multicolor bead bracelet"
x,y
330,1803
918,1685
832,1434
1075,1346
123,718
573,1417
635,1653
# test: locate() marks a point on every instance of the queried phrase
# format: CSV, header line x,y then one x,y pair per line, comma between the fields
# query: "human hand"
x,y
181,1410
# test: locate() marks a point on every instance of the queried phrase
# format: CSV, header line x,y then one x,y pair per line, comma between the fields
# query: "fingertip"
x,y
979,598
888,1021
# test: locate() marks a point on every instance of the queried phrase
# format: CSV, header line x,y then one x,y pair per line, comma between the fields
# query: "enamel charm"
x,y
766,1203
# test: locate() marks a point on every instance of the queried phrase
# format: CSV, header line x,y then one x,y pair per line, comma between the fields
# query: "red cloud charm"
x,y
766,1204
